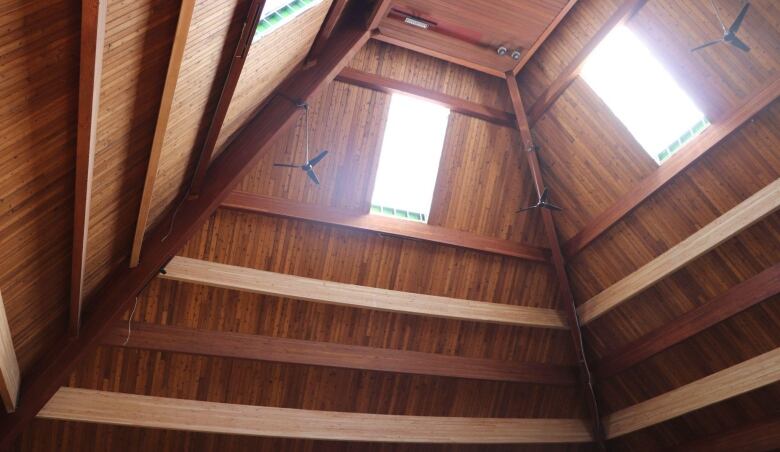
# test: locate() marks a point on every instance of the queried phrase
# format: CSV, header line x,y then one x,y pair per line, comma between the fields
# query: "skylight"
x,y
409,160
637,88
278,12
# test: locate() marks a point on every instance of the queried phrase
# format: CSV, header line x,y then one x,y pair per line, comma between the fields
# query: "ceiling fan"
x,y
542,203
308,166
729,34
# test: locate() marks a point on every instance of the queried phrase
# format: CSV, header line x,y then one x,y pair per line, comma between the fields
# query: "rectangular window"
x,y
278,12
642,94
409,160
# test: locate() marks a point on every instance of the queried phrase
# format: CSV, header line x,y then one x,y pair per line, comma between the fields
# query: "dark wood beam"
x,y
283,350
564,286
332,19
93,35
572,70
529,52
118,295
229,84
676,164
733,301
755,436
248,202
378,13
456,104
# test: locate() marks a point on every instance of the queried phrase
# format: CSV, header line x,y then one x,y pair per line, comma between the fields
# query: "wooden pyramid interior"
x,y
165,287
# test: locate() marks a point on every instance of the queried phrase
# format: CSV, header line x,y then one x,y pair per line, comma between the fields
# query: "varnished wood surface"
x,y
530,51
10,379
755,436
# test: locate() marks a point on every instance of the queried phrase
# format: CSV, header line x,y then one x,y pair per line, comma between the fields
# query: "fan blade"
x,y
527,208
286,165
313,176
738,21
711,43
736,42
317,159
544,195
552,207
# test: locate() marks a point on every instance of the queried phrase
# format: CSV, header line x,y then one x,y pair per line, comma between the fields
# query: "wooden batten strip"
x,y
295,351
213,274
85,405
171,77
746,376
10,377
758,206
248,202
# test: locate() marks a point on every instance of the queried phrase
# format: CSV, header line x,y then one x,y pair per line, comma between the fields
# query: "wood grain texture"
x,y
10,378
213,274
93,36
754,436
267,348
248,202
157,412
331,20
378,13
734,221
752,374
171,77
530,51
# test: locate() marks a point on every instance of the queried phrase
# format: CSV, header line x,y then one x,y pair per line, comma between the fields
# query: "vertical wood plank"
x,y
9,367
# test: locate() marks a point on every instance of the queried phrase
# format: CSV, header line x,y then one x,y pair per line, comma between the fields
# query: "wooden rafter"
x,y
248,202
746,376
572,70
93,33
735,300
747,213
171,77
379,12
213,274
229,84
676,164
118,295
564,287
528,53
10,377
193,415
278,349
332,19
755,436
456,104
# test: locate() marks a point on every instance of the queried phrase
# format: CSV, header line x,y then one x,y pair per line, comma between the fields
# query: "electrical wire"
x,y
130,322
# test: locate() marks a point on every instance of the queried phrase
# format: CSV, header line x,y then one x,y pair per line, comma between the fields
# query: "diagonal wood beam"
x,y
543,37
171,77
564,286
278,349
456,104
735,300
572,70
379,12
194,271
93,35
118,295
10,377
86,405
229,84
736,220
334,14
730,382
249,202
676,164
755,436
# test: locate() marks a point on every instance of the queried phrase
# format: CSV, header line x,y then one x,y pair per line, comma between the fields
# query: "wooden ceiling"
x,y
692,326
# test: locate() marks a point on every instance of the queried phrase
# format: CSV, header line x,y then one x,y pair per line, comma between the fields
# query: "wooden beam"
x,y
229,84
437,54
334,14
9,367
86,405
213,274
93,34
748,212
676,164
171,77
456,104
249,202
572,70
278,349
735,300
755,436
118,294
564,286
746,376
529,52
378,13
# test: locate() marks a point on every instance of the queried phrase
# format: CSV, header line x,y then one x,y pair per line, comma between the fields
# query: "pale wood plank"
x,y
733,381
9,367
267,283
113,408
753,209
172,76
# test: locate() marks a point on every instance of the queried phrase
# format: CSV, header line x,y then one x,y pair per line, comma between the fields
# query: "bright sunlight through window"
x,y
637,88
278,12
409,161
